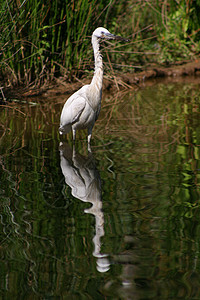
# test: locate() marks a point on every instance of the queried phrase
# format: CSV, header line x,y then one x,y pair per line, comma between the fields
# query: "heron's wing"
x,y
76,108
72,109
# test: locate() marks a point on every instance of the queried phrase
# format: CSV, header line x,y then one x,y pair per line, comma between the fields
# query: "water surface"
x,y
120,223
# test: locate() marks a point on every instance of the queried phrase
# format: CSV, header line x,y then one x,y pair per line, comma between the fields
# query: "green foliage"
x,y
39,42
176,41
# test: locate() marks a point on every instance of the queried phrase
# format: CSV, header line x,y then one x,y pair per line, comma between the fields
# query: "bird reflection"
x,y
82,176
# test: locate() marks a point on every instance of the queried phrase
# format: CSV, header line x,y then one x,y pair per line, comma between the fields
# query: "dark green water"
x,y
122,223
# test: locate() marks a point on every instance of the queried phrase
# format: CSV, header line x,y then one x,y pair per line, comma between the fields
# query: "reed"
x,y
39,42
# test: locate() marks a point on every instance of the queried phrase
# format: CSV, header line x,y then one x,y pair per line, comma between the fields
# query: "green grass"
x,y
39,42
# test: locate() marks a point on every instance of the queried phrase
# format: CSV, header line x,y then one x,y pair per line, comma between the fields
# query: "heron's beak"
x,y
115,37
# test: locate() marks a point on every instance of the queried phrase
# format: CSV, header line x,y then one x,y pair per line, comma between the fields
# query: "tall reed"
x,y
39,41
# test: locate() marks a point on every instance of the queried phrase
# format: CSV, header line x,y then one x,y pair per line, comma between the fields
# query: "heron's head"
x,y
103,33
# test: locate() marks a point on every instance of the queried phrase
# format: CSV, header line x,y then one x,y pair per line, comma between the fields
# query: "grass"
x,y
39,42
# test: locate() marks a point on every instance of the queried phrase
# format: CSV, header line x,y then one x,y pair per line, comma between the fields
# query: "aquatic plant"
x,y
40,42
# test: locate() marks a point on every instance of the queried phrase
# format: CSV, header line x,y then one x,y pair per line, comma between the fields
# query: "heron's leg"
x,y
74,135
89,148
89,139
73,153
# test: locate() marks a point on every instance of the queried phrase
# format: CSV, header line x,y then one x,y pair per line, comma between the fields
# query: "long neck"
x,y
97,79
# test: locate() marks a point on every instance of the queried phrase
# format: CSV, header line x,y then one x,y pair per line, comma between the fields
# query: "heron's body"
x,y
82,109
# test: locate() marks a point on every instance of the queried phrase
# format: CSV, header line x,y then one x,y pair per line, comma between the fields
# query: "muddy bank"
x,y
118,81
188,69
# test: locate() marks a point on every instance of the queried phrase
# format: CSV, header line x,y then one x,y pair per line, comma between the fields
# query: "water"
x,y
122,223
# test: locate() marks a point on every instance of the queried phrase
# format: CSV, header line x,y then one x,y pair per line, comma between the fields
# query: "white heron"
x,y
82,109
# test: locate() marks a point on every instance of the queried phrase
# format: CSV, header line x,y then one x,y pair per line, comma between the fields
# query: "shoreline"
x,y
119,81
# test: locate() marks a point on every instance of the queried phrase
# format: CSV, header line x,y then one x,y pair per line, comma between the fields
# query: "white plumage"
x,y
82,109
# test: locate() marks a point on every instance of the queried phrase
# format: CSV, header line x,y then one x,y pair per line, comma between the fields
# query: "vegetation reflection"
x,y
142,182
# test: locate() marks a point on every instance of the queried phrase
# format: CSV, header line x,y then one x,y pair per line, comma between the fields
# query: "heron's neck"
x,y
97,79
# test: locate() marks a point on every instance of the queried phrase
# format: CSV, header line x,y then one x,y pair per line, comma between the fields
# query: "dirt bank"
x,y
118,81
181,69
